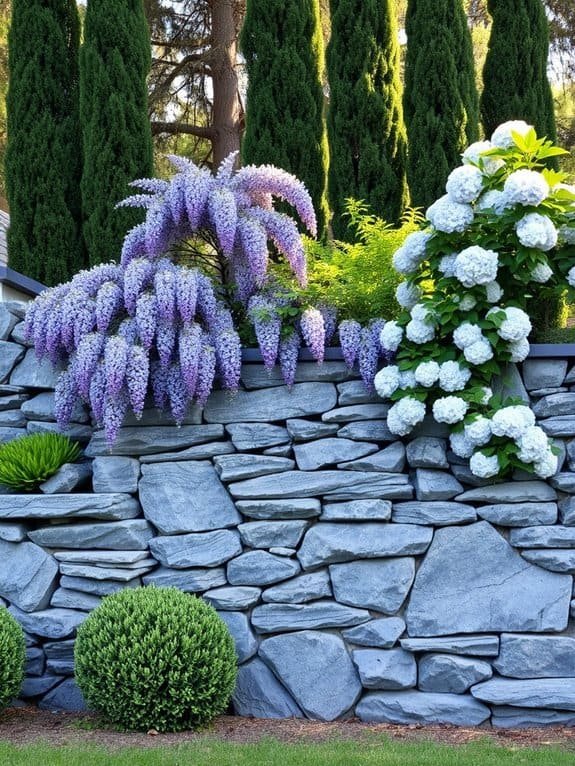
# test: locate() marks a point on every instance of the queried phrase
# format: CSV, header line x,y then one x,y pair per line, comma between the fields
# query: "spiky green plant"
x,y
30,460
12,657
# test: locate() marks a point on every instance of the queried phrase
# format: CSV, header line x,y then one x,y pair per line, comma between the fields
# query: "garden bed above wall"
x,y
358,574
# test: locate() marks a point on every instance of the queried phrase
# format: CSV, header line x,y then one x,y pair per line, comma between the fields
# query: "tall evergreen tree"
x,y
515,73
285,125
440,97
115,59
366,133
43,157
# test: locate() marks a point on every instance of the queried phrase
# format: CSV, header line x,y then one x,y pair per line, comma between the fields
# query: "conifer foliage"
x,y
365,120
43,158
285,126
515,73
115,59
440,101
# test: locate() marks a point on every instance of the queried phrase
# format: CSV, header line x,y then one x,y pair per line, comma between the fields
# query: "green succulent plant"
x,y
28,461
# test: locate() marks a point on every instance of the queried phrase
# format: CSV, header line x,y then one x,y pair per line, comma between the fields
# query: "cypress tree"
x,y
366,133
115,59
43,157
282,44
515,72
440,97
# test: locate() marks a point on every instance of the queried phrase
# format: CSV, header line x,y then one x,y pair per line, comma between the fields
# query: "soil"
x,y
27,725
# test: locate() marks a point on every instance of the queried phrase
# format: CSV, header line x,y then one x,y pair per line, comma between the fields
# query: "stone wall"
x,y
358,575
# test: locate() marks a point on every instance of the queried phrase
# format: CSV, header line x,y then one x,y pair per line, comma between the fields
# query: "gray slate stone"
x,y
510,492
256,376
509,384
37,687
104,573
185,497
385,668
482,646
328,543
229,598
539,373
508,717
152,416
435,485
560,426
391,459
543,537
12,419
106,507
147,440
13,533
430,427
133,534
7,322
523,656
10,355
49,623
201,452
315,454
472,580
268,405
447,673
280,509
554,693
12,401
279,618
74,599
75,431
237,467
97,587
27,575
245,642
69,477
35,661
382,633
355,392
188,580
41,407
279,551
563,482
60,657
260,568
555,404
301,589
246,436
115,474
567,512
438,513
367,431
356,412
283,450
198,549
519,514
8,434
32,373
258,694
381,585
553,559
538,392
317,670
65,696
384,488
18,334
413,707
427,452
357,510
304,430
266,534
99,558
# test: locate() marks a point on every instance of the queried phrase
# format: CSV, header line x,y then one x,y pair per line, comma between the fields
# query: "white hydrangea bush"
x,y
504,230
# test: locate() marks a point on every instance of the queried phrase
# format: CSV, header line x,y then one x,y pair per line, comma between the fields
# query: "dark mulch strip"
x,y
28,725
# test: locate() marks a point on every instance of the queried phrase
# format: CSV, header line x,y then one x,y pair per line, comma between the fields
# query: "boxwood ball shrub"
x,y
155,658
27,462
12,657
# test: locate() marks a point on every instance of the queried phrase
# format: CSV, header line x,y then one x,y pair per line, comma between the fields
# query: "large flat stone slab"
x,y
244,639
317,669
447,673
188,580
279,509
382,633
278,618
367,431
315,454
147,440
69,477
32,373
554,693
97,587
519,514
510,492
314,483
133,534
385,668
472,581
112,507
119,574
331,543
267,534
261,568
381,585
256,376
237,467
438,513
509,717
555,404
49,623
247,436
306,430
523,656
10,354
413,707
258,694
431,484
269,405
542,373
561,426
7,322
391,459
198,549
357,510
482,646
553,559
233,598
27,575
185,496
201,452
543,537
41,407
356,413
301,589
115,474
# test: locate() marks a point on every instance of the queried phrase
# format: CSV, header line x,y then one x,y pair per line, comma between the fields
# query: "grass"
x,y
378,752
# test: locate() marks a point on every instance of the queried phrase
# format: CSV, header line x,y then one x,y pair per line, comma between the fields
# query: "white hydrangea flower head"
x,y
533,445
571,276
416,243
541,273
501,136
493,292
526,187
386,381
516,324
548,466
478,431
466,334
405,415
447,265
474,151
519,350
419,332
494,200
479,353
567,234
449,409
483,466
461,445
420,312
407,295
538,231
403,262
427,373
453,377
407,380
512,421
476,266
487,394
391,336
464,184
448,216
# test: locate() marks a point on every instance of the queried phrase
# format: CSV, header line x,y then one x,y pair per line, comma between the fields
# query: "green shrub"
x,y
155,658
30,460
12,657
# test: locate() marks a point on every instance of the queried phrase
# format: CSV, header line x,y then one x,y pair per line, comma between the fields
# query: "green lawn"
x,y
271,753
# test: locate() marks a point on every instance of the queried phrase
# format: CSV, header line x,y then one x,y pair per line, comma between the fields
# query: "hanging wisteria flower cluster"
x,y
505,227
152,325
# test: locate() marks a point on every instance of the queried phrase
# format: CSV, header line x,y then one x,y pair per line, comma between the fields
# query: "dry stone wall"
x,y
359,575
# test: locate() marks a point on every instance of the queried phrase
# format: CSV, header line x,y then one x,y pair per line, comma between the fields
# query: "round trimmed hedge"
x,y
12,657
155,658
